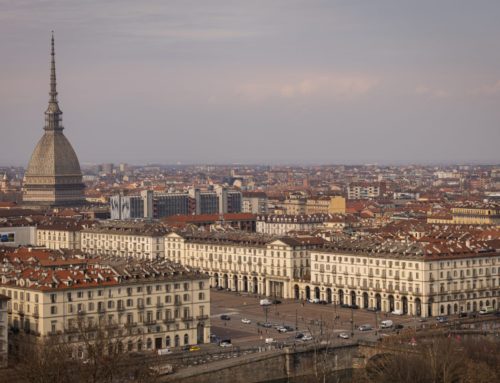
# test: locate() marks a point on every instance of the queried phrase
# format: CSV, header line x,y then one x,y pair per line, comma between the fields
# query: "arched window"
x,y
149,343
167,341
177,341
186,339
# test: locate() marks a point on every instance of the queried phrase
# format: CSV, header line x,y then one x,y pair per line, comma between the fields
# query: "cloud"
x,y
424,90
488,90
340,86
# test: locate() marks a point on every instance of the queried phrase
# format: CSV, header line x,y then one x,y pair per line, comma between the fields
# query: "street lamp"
x,y
352,322
266,310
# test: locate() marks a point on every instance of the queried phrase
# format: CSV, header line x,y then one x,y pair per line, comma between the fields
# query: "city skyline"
x,y
270,83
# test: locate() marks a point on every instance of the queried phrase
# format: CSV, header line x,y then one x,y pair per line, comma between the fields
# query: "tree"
x,y
96,354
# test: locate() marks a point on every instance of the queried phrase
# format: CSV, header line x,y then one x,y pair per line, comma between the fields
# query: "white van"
x,y
386,323
486,310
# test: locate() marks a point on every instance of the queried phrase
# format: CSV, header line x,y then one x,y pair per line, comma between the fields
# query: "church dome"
x,y
53,156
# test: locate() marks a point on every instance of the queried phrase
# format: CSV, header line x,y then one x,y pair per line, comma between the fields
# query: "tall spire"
x,y
53,113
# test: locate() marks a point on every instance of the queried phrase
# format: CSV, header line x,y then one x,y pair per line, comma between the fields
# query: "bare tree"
x,y
96,354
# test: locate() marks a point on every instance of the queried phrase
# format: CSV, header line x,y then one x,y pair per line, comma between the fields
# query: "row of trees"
x,y
438,360
98,356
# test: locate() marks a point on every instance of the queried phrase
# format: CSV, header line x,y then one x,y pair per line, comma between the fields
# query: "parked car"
x,y
299,335
386,323
344,335
398,326
314,300
225,317
397,312
265,302
225,343
323,302
442,319
276,302
354,306
306,338
374,309
365,327
345,305
462,315
186,347
487,310
283,329
246,321
164,351
194,348
289,328
269,340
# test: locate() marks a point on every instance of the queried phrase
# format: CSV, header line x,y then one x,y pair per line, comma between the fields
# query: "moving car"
x,y
194,348
314,300
246,321
299,335
344,335
306,338
398,326
397,312
265,302
265,324
442,319
365,327
225,317
162,369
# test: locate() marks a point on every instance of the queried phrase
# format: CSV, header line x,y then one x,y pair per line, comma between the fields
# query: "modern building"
x,y
53,176
365,190
149,205
153,205
254,202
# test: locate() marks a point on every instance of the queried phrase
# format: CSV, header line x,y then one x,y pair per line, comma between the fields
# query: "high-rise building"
x,y
53,177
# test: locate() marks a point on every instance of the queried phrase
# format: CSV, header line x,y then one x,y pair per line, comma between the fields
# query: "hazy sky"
x,y
255,81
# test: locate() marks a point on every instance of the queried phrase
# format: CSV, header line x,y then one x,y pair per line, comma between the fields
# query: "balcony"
x,y
159,305
187,319
202,317
71,330
121,308
169,321
131,324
